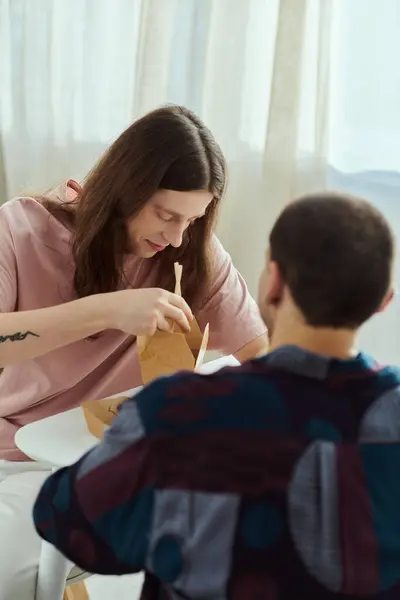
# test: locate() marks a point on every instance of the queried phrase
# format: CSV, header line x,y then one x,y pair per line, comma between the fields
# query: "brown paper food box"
x,y
99,414
163,353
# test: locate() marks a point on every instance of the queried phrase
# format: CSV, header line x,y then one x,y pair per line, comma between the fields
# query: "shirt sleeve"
x,y
8,267
107,512
99,511
228,307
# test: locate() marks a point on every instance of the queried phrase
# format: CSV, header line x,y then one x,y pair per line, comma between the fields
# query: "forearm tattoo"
x,y
17,337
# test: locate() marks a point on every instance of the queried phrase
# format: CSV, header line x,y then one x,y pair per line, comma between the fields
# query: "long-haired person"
x,y
83,271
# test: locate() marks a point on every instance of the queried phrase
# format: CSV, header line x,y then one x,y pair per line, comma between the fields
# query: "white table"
x,y
62,439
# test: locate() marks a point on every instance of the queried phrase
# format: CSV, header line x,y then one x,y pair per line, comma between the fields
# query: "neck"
x,y
291,331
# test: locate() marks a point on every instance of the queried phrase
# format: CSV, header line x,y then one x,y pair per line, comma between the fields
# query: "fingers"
x,y
179,302
153,326
177,315
162,323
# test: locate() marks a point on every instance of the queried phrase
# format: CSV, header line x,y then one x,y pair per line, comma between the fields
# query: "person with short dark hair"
x,y
274,480
335,254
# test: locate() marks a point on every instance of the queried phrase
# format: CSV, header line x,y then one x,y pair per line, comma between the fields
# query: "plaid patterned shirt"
x,y
275,480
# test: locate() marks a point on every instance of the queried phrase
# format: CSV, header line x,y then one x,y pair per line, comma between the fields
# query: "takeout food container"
x,y
163,353
99,414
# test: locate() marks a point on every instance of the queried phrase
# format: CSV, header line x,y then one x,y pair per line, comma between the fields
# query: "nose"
x,y
174,234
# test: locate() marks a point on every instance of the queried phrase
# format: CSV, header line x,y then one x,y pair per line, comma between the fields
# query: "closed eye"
x,y
165,217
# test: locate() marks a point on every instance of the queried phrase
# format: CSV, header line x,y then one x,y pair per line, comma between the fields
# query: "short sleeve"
x,y
228,307
8,268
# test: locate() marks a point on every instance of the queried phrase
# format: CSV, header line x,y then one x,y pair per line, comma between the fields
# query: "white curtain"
x,y
364,125
301,94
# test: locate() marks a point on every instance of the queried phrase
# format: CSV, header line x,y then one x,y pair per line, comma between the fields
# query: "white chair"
x,y
55,574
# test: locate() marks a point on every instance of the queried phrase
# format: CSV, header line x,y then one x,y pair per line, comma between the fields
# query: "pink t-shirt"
x,y
36,271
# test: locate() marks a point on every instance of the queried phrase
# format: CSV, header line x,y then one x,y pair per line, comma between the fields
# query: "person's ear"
x,y
275,284
387,300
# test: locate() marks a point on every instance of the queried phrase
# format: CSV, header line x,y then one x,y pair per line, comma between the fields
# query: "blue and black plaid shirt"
x,y
275,480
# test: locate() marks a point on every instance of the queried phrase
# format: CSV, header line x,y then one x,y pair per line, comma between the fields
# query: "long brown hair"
x,y
169,148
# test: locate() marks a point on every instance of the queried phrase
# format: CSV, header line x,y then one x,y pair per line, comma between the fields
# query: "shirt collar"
x,y
65,192
293,359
